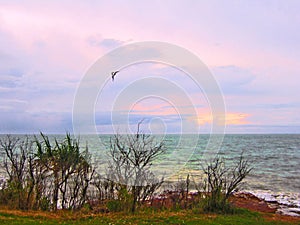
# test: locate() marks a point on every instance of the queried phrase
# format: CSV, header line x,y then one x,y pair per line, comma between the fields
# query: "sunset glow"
x,y
252,49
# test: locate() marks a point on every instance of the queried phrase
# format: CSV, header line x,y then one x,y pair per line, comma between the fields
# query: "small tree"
x,y
55,171
68,168
220,182
132,157
17,161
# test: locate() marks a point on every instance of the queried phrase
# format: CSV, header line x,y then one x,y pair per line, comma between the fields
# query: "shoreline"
x,y
285,203
271,209
257,200
241,200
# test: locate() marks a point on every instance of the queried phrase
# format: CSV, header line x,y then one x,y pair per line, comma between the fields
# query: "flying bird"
x,y
113,74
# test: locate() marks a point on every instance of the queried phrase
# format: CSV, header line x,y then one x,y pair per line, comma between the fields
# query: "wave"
x,y
287,203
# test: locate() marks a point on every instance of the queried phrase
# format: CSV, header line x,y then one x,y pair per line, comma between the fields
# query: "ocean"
x,y
275,159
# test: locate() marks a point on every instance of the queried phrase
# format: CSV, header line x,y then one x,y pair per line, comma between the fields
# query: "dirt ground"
x,y
251,202
241,200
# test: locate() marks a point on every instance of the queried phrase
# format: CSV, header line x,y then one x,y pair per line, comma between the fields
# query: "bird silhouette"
x,y
113,74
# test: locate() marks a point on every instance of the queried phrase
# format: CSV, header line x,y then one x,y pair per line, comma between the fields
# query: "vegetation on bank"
x,y
145,217
47,175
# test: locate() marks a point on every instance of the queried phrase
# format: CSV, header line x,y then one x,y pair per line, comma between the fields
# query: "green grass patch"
x,y
242,217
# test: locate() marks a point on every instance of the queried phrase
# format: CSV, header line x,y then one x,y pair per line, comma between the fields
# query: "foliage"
x,y
220,182
122,203
132,156
17,160
68,168
38,178
165,217
47,175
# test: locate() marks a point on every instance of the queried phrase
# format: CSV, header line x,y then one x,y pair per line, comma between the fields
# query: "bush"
x,y
220,182
123,203
40,172
45,204
114,206
131,160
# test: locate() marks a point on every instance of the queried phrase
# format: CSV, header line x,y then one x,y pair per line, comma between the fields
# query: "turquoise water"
x,y
275,159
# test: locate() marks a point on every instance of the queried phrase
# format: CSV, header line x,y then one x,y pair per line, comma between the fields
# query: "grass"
x,y
243,217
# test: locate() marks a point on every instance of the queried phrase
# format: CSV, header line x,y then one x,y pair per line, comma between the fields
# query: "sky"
x,y
252,48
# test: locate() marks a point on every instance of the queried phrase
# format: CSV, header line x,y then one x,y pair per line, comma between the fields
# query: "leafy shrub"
x,y
45,204
114,206
123,203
